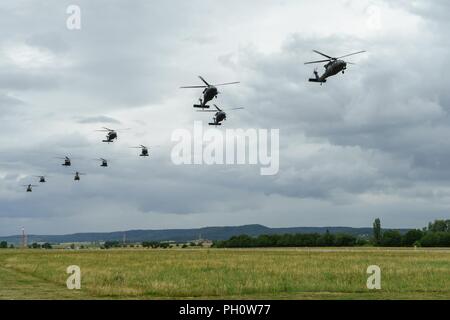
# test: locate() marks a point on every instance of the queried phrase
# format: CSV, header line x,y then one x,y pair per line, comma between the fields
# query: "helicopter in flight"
x,y
29,187
209,93
67,161
104,162
144,150
41,179
111,134
219,116
333,66
77,176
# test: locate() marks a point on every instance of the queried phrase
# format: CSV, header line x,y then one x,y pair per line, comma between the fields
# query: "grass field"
x,y
225,274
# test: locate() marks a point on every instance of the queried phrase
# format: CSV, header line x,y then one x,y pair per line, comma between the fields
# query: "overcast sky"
x,y
371,143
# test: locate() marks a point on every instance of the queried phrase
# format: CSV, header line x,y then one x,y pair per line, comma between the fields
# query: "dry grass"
x,y
216,273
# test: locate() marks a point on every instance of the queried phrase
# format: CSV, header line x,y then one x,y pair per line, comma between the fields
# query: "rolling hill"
x,y
183,235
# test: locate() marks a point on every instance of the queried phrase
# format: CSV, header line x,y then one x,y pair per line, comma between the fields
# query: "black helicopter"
x,y
29,187
77,176
41,179
219,116
333,66
104,162
111,134
209,93
67,161
144,150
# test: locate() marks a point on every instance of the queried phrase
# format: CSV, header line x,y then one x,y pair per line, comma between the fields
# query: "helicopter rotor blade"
x,y
193,87
319,61
226,84
217,107
204,81
240,108
323,54
351,54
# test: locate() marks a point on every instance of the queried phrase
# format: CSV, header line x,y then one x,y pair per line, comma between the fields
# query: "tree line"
x,y
437,234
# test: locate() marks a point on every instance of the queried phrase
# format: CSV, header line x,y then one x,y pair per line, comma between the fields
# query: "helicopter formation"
x,y
67,160
333,66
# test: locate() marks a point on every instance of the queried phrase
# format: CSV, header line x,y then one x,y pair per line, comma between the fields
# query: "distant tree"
x,y
35,245
360,242
377,231
185,246
111,244
435,239
391,238
151,244
3,245
11,246
72,246
411,237
345,240
327,239
46,246
439,226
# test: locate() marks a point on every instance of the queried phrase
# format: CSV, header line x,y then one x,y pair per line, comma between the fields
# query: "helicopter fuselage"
x,y
332,68
218,118
209,94
111,136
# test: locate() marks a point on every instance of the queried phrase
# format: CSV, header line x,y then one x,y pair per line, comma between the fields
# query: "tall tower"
x,y
24,239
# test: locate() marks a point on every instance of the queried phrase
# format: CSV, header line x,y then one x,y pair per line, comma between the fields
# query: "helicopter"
x,y
77,176
144,150
209,93
104,162
67,161
29,187
41,179
333,67
219,116
110,136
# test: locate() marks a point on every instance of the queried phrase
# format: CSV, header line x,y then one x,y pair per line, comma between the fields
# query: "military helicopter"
x,y
333,67
67,161
104,162
144,150
41,179
209,93
219,116
77,176
110,136
29,187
